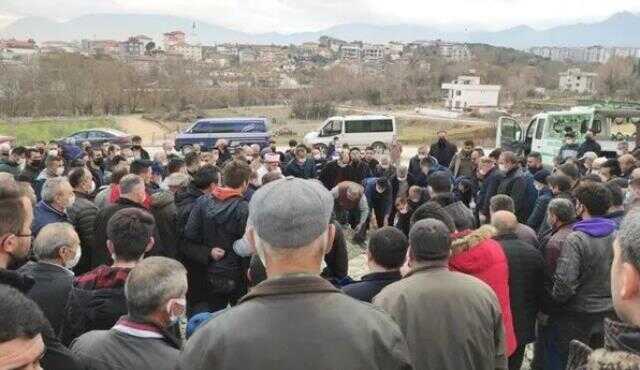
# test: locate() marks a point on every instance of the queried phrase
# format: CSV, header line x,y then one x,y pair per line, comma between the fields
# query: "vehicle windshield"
x,y
561,124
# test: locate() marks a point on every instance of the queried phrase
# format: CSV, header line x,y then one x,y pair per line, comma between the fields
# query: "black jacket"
x,y
83,215
488,189
100,255
618,337
164,210
217,222
589,146
306,170
332,174
337,259
357,172
50,291
443,151
526,284
371,284
539,213
514,185
57,356
185,200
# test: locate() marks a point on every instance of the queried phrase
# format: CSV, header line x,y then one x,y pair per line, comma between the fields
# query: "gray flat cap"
x,y
291,212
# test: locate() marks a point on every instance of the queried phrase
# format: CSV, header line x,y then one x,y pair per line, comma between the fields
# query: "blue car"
x,y
237,131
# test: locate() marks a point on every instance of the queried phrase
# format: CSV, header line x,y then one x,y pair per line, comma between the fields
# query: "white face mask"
x,y
92,188
74,262
70,201
503,168
60,171
53,153
317,157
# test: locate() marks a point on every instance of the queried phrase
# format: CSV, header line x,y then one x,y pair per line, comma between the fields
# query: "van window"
x,y
540,128
228,127
332,128
366,126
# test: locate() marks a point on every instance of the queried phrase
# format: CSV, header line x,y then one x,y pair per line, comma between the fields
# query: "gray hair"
x,y
505,222
501,202
129,182
628,237
563,209
51,238
52,187
152,283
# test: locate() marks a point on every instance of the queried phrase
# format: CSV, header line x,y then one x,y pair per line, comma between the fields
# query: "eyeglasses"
x,y
24,235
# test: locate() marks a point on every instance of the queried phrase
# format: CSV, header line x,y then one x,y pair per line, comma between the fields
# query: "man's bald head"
x,y
505,222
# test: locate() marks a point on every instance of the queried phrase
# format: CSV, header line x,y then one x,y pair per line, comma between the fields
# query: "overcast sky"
x,y
311,15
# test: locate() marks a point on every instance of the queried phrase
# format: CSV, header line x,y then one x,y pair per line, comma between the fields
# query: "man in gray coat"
x,y
451,320
295,319
156,297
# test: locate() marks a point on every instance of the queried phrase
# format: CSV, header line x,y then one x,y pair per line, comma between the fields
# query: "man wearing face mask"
x,y
32,167
301,166
514,185
57,250
138,150
224,155
82,215
155,292
443,150
57,197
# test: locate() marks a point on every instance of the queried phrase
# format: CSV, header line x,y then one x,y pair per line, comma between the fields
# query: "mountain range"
x,y
621,29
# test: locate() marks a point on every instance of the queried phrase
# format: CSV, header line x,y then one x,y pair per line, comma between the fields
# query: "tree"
x,y
150,47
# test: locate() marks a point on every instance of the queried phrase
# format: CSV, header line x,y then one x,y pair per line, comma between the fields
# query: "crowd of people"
x,y
237,258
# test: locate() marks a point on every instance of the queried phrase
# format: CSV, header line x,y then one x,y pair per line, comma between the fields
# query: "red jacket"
x,y
487,262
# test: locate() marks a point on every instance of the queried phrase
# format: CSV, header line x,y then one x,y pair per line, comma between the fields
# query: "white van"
x,y
357,131
544,133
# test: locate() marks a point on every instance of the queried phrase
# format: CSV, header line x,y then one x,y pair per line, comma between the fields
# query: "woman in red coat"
x,y
476,254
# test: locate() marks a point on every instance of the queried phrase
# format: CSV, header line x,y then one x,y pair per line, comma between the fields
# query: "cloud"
x,y
311,15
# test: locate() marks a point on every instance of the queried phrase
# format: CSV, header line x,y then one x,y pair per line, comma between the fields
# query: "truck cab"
x,y
544,132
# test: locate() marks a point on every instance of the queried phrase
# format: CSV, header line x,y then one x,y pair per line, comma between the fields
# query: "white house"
x,y
576,80
188,52
466,92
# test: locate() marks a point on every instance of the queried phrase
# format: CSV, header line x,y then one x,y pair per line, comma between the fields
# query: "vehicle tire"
x,y
186,147
379,147
323,149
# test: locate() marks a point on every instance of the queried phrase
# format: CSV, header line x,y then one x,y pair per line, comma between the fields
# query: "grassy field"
x,y
28,132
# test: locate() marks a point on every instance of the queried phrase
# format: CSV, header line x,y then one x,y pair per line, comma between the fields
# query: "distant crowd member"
x,y
291,241
82,215
450,320
443,150
514,185
57,197
462,164
385,255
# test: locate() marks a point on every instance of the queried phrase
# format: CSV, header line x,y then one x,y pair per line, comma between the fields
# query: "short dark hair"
x,y
495,154
615,194
479,151
140,166
614,167
563,209
570,170
594,197
118,174
440,182
433,210
270,177
21,317
130,230
19,150
469,143
293,143
191,158
430,240
205,176
235,173
562,182
136,138
590,177
12,212
535,155
501,202
388,247
76,176
31,151
369,148
354,149
510,157
116,160
174,165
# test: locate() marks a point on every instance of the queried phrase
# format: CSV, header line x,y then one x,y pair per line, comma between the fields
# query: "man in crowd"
x,y
214,225
450,320
616,210
578,283
514,185
57,250
443,150
589,145
561,216
57,197
491,179
378,194
440,188
291,241
132,195
625,279
357,170
32,167
386,253
82,215
138,150
569,149
301,165
545,194
526,282
462,163
414,162
503,202
9,160
627,165
534,162
351,208
155,291
21,334
370,160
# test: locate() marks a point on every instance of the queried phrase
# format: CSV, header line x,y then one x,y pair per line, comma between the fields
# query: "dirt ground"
x,y
151,132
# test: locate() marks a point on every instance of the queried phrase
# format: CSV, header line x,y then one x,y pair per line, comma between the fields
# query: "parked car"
x,y
97,137
357,131
237,131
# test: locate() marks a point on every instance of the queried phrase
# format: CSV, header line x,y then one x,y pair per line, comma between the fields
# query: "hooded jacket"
x,y
581,282
478,255
618,337
218,221
443,150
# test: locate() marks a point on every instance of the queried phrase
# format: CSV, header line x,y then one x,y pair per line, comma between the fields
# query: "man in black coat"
x,y
301,166
385,255
443,150
215,224
526,282
514,185
357,170
194,258
82,215
132,195
589,145
491,178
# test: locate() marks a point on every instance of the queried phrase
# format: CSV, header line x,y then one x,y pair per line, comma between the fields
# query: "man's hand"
x,y
217,253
